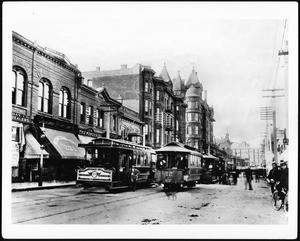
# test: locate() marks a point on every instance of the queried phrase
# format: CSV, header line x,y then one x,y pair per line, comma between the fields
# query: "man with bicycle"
x,y
274,176
283,184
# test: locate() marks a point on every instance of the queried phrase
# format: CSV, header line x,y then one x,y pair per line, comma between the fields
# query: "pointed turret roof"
x,y
192,92
178,83
193,80
164,74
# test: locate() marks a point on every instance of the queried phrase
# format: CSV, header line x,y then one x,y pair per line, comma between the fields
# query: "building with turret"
x,y
171,110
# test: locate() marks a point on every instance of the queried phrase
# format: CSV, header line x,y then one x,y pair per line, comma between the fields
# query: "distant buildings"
x,y
252,156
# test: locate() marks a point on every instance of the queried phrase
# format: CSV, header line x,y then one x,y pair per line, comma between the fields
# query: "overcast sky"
x,y
234,49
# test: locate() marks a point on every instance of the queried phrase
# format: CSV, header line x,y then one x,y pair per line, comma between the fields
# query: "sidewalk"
x,y
28,186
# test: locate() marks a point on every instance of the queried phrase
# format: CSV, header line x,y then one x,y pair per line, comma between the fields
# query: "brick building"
x,y
53,108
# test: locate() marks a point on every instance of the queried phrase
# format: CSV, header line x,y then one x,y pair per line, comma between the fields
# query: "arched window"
x,y
45,94
18,86
64,109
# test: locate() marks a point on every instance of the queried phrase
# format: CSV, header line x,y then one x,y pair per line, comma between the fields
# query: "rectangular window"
x,y
114,123
150,108
157,135
157,95
20,89
98,118
82,112
90,115
146,107
146,86
196,130
177,125
46,98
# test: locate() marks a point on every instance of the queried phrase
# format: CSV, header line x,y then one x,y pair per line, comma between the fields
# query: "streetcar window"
x,y
161,161
145,163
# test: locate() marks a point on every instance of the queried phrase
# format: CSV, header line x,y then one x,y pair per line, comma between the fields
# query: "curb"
x,y
41,188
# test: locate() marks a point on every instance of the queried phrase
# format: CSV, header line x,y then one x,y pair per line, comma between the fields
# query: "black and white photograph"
x,y
150,120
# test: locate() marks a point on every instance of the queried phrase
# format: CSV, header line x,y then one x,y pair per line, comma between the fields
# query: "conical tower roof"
x,y
178,84
193,92
164,74
193,80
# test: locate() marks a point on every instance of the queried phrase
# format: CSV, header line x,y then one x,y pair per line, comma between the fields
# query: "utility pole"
x,y
274,119
285,54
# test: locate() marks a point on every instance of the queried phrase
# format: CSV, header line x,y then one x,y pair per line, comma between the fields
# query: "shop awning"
x,y
65,143
85,139
33,148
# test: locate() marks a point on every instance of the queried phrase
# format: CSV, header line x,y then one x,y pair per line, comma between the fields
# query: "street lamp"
x,y
42,138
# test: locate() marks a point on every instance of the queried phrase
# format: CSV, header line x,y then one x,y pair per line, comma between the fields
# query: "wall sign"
x,y
20,117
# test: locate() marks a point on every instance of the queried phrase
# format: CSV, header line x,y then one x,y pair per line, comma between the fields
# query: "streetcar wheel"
x,y
276,201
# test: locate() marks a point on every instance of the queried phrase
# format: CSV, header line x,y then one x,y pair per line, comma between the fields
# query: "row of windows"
x,y
148,108
192,117
192,130
193,104
94,117
45,94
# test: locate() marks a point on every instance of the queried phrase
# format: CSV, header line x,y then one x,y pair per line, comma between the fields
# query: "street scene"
x,y
150,116
203,204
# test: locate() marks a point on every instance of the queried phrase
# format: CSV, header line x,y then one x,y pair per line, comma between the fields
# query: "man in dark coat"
x,y
283,186
249,178
274,176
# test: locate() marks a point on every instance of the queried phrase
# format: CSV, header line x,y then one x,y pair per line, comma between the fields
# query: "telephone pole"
x,y
285,53
274,119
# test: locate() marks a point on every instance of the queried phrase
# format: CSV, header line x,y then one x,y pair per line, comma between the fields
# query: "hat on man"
x,y
282,162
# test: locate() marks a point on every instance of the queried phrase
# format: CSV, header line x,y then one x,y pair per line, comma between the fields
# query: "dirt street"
x,y
203,204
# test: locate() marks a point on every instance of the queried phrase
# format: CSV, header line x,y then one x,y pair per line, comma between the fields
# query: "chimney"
x,y
205,95
97,68
123,66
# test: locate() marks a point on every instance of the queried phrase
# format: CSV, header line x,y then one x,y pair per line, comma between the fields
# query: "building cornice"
x,y
19,39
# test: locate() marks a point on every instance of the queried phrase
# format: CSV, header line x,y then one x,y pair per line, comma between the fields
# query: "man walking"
x,y
249,178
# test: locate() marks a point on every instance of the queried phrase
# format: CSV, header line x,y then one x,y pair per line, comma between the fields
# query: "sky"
x,y
233,48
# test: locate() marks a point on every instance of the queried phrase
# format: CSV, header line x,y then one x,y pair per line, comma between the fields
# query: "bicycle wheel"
x,y
286,203
276,201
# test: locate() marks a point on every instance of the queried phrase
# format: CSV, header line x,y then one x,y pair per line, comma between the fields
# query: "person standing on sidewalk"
x,y
274,176
249,178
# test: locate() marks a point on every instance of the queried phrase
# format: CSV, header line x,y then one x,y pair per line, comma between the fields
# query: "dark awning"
x,y
33,148
65,143
209,156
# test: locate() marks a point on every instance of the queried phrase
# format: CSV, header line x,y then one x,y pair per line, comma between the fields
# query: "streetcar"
x,y
212,169
108,163
178,165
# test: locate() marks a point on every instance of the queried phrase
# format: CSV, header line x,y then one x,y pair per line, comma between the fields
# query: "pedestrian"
x,y
283,186
134,172
249,178
274,176
256,175
235,175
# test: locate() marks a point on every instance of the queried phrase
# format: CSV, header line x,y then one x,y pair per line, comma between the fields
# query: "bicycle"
x,y
279,202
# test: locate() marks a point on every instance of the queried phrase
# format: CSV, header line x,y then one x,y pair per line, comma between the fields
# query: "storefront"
x,y
64,155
